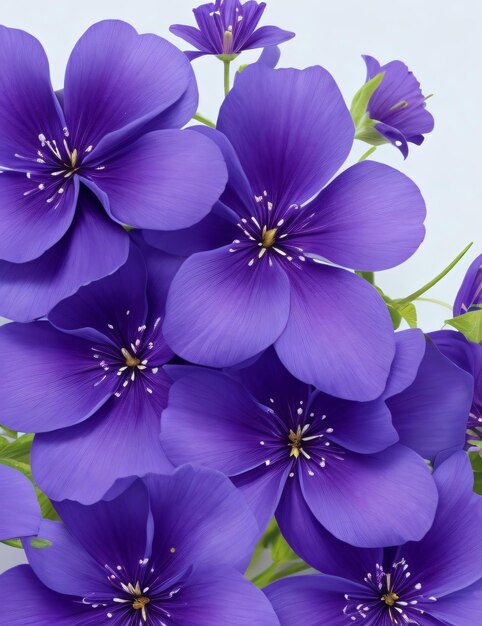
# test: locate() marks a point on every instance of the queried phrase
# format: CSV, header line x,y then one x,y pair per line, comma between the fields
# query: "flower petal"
x,y
29,225
237,195
231,422
349,497
58,386
221,311
114,532
463,607
280,123
213,231
441,557
92,248
19,510
166,180
410,349
191,35
314,544
117,80
470,291
339,336
222,596
262,487
271,384
31,603
64,566
200,514
115,304
28,105
364,427
267,36
369,218
122,439
311,600
431,415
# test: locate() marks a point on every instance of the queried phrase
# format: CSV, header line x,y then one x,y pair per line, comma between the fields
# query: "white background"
x,y
439,40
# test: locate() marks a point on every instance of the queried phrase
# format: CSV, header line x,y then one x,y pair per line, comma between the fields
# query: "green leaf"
x,y
478,483
409,313
368,276
362,97
281,552
469,324
13,543
395,315
10,433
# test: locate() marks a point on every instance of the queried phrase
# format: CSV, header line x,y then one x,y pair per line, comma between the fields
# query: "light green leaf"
x,y
409,313
469,324
362,98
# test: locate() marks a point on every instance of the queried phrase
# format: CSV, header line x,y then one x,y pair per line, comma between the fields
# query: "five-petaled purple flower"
x,y
433,582
19,509
358,467
168,550
91,381
289,131
396,112
105,151
227,27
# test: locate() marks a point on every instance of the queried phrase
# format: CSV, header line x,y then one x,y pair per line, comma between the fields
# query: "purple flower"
x,y
396,112
433,582
227,27
469,296
105,151
166,551
289,132
91,381
468,356
282,441
19,509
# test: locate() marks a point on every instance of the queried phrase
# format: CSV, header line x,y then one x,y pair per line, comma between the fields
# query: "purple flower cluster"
x,y
196,348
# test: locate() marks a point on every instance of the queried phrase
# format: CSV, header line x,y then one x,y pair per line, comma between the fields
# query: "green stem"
x,y
264,578
204,120
227,81
276,571
434,301
416,294
366,154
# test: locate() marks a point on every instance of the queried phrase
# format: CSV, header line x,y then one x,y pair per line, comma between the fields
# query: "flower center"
x,y
140,604
131,361
268,237
390,598
295,442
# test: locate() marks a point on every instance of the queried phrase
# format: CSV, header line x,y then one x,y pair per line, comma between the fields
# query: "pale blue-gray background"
x,y
440,41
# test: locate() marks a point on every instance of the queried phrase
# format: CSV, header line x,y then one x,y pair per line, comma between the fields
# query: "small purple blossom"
x,y
469,296
433,582
103,152
281,440
90,380
166,551
227,27
19,509
274,280
397,109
